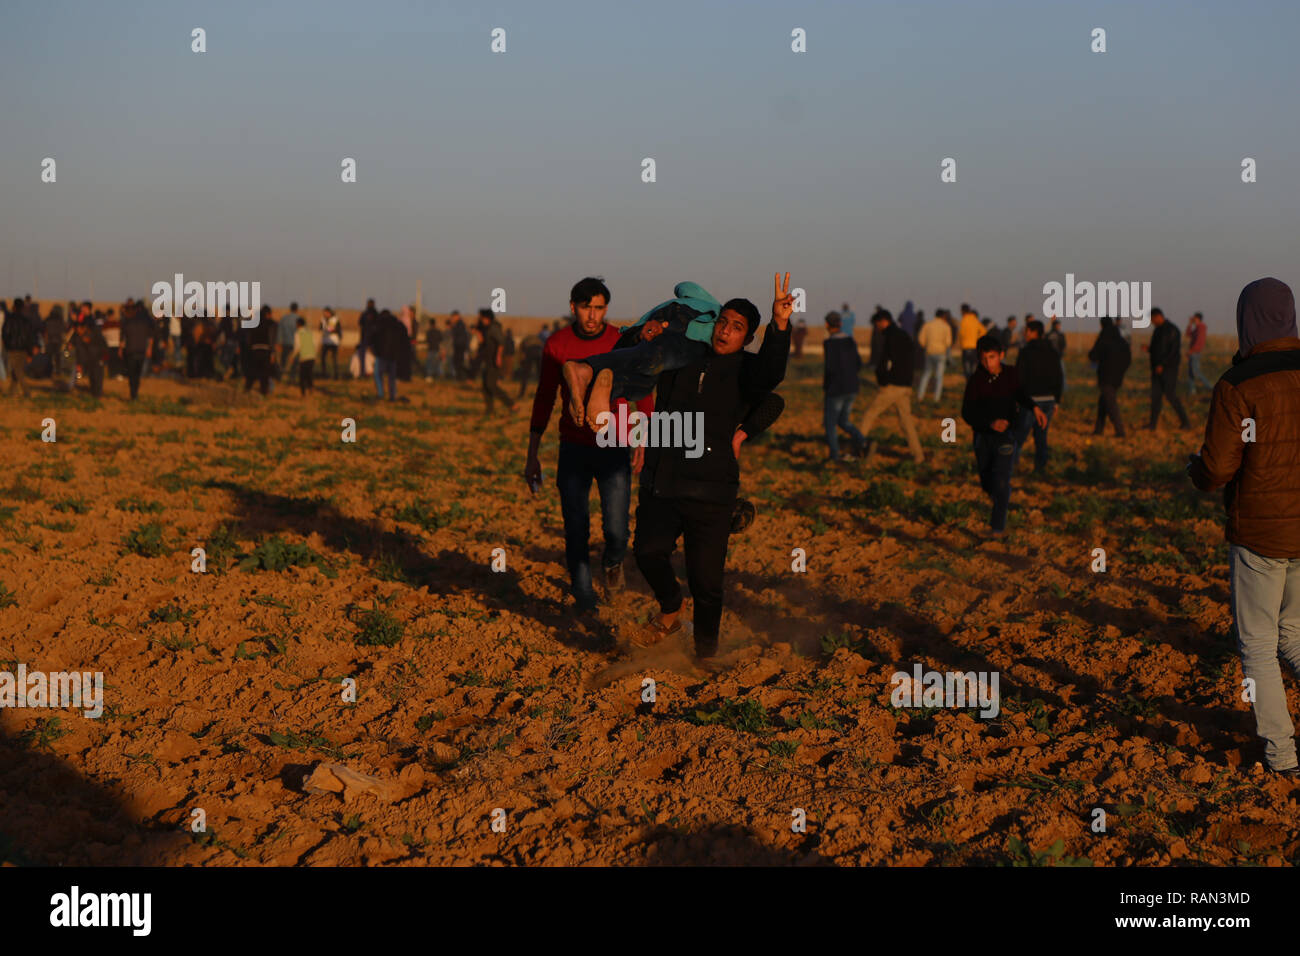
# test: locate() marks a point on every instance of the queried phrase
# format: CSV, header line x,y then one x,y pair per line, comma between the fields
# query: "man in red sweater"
x,y
581,460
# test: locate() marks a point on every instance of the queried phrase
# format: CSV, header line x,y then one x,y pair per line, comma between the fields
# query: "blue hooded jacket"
x,y
692,296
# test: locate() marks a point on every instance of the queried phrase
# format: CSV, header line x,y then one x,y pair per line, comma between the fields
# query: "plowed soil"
x,y
1120,690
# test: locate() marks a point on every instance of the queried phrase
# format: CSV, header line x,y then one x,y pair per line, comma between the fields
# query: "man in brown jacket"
x,y
1252,451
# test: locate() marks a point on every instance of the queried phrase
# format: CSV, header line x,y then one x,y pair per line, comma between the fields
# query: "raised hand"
x,y
782,301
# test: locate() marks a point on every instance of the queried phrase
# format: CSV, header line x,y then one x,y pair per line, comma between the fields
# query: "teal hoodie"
x,y
694,297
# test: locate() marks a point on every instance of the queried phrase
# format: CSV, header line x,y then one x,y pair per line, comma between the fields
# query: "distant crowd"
x,y
85,344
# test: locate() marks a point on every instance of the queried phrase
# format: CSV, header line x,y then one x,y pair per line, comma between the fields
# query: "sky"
x,y
522,170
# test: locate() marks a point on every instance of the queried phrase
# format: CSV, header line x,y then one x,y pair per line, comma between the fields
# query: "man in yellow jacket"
x,y
968,333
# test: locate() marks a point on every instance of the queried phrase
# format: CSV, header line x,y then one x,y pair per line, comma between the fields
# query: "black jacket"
x,y
897,352
1166,341
842,363
731,390
987,399
1039,368
1112,355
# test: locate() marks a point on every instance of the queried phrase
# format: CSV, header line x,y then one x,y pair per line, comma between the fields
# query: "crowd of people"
x,y
86,344
689,356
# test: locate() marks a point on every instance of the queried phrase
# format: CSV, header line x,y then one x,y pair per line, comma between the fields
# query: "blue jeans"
x,y
1194,375
1026,425
837,411
432,365
386,368
611,468
637,369
1266,609
934,368
995,455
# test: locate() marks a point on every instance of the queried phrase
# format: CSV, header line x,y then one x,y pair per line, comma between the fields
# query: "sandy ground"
x,y
1120,690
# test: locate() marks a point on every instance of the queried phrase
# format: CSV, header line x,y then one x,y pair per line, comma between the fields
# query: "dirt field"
x,y
478,690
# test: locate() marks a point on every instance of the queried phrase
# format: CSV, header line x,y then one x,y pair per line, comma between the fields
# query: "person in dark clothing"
x,y
89,347
695,498
459,346
20,343
136,346
531,361
840,383
256,358
894,375
1112,355
1163,350
991,406
1056,339
387,339
432,351
55,331
492,360
366,325
1039,370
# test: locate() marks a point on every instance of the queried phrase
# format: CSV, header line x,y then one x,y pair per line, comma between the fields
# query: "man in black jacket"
x,y
1164,347
1112,356
695,497
1039,369
991,406
894,374
840,383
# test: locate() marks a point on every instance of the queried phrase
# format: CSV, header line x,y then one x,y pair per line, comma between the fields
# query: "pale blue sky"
x,y
522,170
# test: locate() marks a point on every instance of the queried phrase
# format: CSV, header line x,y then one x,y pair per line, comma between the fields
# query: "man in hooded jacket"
x,y
1252,451
1112,355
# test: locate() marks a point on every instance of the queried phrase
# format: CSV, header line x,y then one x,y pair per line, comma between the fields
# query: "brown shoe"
x,y
654,632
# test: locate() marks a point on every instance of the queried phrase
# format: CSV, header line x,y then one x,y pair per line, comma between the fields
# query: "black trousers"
x,y
1108,407
257,368
492,385
1165,386
134,369
328,352
704,527
305,380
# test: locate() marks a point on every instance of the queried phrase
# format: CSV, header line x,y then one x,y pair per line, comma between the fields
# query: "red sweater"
x,y
564,346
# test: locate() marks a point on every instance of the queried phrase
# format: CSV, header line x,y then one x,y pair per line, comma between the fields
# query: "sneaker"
x,y
1290,773
614,578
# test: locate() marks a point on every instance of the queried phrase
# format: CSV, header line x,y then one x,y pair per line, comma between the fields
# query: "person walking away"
x,y
847,320
432,350
1056,339
531,364
491,358
89,347
935,340
991,406
136,347
1261,482
1197,334
841,365
1112,356
459,346
56,331
1163,350
257,358
286,332
894,375
969,333
1039,371
20,344
331,337
386,341
304,352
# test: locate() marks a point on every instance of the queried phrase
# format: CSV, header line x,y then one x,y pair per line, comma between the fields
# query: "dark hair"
x,y
882,314
988,343
293,306
485,313
1159,312
266,311
301,321
1010,319
1029,316
920,315
965,307
974,313
746,310
1033,325
584,290
1055,322
833,320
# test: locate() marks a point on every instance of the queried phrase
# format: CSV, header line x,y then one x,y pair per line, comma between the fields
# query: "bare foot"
x,y
598,404
577,375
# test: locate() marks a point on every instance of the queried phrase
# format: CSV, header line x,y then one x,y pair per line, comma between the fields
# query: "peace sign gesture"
x,y
782,301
